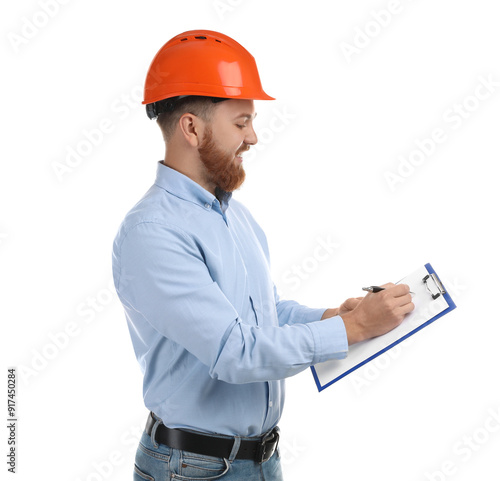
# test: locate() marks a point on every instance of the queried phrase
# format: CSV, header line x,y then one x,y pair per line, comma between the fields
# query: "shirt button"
x,y
270,404
207,205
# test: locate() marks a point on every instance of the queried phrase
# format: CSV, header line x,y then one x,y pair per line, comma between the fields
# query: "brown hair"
x,y
202,107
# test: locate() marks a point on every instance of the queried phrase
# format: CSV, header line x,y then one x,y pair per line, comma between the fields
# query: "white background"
x,y
319,175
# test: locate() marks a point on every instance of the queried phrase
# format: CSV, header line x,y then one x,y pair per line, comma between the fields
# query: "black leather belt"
x,y
259,450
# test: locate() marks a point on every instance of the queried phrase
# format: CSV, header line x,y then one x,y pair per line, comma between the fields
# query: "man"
x,y
191,267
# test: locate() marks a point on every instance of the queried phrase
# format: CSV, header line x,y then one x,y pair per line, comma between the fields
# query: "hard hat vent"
x,y
200,37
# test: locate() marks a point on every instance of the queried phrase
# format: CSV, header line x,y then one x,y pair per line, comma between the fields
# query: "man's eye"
x,y
240,126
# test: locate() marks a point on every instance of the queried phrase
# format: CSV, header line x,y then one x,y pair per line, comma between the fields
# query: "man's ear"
x,y
191,128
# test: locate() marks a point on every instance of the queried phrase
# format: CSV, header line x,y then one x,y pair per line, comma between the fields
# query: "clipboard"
x,y
431,300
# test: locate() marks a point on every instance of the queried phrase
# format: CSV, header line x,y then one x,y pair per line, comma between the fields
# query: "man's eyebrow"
x,y
247,116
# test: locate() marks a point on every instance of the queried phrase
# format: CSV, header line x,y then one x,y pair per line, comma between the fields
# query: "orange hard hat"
x,y
204,63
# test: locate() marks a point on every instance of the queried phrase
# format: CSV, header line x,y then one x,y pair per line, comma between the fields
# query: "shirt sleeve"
x,y
161,276
291,312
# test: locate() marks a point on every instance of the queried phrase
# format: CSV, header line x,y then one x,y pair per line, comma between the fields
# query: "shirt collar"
x,y
186,188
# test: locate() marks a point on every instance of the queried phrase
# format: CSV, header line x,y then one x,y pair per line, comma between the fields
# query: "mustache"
x,y
240,151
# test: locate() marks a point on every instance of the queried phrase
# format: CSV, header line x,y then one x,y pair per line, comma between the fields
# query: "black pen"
x,y
374,289
378,289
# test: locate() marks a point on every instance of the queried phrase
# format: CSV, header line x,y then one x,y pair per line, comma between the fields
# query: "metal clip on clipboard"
x,y
437,284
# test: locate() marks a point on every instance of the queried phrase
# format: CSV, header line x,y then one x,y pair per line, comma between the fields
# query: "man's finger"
x,y
400,290
351,303
404,300
407,308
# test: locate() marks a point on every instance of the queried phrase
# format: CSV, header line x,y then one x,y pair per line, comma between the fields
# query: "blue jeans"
x,y
158,462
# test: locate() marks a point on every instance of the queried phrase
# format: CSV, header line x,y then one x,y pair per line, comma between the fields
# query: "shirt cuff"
x,y
312,315
330,339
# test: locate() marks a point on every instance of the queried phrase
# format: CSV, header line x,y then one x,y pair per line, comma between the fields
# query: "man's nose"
x,y
251,137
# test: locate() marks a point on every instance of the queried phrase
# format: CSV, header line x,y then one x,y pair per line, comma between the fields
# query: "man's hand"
x,y
377,312
348,305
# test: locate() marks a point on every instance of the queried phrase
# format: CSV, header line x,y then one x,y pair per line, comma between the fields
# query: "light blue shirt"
x,y
213,339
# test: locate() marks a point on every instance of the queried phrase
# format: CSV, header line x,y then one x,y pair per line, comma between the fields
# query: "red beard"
x,y
221,167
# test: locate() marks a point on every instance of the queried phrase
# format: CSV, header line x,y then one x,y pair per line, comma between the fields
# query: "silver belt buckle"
x,y
268,446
